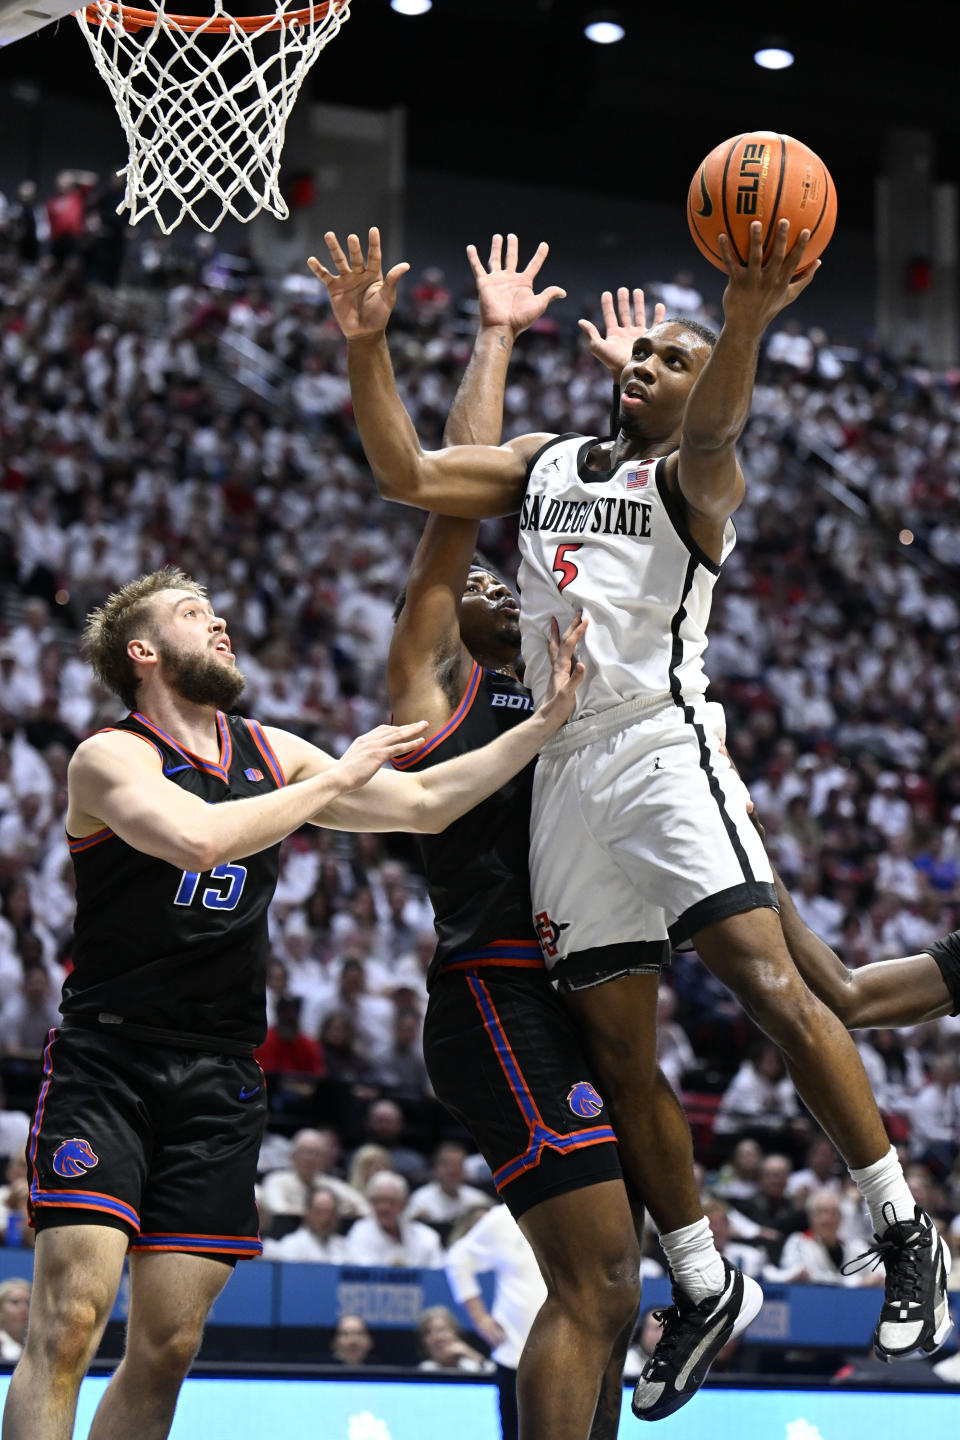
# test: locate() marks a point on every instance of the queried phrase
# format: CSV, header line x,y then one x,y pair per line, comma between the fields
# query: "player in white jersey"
x,y
639,832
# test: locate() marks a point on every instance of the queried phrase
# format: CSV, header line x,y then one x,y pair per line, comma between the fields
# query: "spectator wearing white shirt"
x,y
497,1245
29,774
823,1172
35,634
818,1255
14,1129
887,809
445,1198
821,914
760,1098
674,1052
935,1115
312,1156
896,872
19,684
444,1348
28,1017
316,1240
387,1237
740,1178
748,1258
372,1015
14,1314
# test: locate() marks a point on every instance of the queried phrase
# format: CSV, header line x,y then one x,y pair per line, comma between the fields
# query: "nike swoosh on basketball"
x,y
175,770
706,205
246,1094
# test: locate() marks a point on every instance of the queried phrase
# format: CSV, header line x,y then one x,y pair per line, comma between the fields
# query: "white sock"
x,y
881,1184
694,1260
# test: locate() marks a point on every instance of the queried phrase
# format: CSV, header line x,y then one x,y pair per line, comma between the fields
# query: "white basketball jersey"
x,y
614,543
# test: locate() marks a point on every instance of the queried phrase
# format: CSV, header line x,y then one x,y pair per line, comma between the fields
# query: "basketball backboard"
x,y
21,17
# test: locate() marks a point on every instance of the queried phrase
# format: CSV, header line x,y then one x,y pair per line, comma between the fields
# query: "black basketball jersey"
x,y
172,955
477,869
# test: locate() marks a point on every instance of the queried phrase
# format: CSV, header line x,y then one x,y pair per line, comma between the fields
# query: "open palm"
x,y
622,325
505,294
361,296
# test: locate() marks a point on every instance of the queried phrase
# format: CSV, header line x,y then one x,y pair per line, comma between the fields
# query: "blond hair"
x,y
112,625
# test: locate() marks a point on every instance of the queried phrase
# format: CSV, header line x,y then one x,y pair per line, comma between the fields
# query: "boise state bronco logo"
x,y
73,1157
584,1100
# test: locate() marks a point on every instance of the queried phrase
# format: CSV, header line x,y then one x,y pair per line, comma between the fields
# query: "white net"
x,y
204,103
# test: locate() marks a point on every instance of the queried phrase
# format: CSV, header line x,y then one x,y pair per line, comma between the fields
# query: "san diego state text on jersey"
x,y
609,515
615,544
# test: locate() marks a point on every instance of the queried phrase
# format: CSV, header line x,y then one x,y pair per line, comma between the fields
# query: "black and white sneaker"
x,y
693,1336
915,1319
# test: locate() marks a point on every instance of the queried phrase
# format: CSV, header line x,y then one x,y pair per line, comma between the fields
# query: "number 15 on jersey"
x,y
225,895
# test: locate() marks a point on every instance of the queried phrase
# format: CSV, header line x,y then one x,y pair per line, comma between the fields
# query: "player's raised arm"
x,y
431,800
717,410
117,781
426,643
508,304
471,482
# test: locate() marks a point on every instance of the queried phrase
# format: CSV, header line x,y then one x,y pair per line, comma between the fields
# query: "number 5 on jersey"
x,y
563,566
214,897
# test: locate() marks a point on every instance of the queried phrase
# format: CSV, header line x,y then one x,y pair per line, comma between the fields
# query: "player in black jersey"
x,y
501,1048
150,1114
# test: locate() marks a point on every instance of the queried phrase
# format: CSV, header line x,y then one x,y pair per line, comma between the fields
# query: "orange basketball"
x,y
761,176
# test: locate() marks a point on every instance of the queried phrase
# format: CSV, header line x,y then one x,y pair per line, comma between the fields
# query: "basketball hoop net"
x,y
204,101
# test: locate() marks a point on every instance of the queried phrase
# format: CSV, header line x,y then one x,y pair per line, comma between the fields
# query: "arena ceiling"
x,y
511,88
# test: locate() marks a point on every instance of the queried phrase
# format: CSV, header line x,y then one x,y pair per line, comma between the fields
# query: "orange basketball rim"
x,y
204,101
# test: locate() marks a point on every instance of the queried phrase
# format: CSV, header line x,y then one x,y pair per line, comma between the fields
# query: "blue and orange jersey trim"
x,y
41,1102
220,769
512,954
244,1246
406,762
72,1199
267,751
87,842
86,1200
78,843
540,1136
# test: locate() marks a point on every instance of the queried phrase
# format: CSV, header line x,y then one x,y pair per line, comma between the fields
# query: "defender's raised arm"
x,y
470,481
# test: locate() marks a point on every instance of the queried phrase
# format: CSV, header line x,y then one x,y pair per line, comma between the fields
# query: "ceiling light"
x,y
604,32
411,7
773,57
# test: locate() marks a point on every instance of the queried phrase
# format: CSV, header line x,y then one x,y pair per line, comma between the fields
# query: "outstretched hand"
x,y
361,296
759,290
567,674
361,761
622,325
506,294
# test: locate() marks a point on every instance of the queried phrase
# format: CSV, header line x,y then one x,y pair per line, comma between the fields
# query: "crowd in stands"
x,y
173,404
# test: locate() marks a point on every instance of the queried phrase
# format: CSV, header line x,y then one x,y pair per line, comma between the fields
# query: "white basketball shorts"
x,y
640,838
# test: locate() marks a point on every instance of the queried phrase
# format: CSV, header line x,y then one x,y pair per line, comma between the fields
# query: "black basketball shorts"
x,y
505,1058
155,1140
